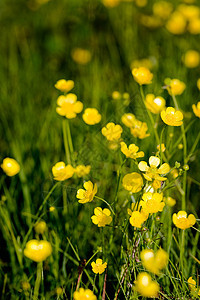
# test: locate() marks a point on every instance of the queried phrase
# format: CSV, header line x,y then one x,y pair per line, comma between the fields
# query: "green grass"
x,y
36,48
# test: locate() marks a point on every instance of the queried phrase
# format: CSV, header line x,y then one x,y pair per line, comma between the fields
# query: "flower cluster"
x,y
154,262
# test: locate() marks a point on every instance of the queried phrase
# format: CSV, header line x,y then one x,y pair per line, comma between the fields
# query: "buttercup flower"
x,y
62,172
189,11
191,59
82,294
162,147
176,23
112,132
152,172
198,83
40,227
194,26
116,95
152,202
37,250
132,182
192,286
68,106
154,262
138,218
82,170
98,267
88,194
139,130
81,56
145,286
10,166
175,86
64,85
170,201
129,120
142,75
154,104
172,117
91,116
162,9
131,151
196,109
182,221
101,217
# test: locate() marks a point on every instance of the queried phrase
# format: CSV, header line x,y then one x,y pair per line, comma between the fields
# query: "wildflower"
x,y
198,83
88,194
111,3
194,26
182,221
138,218
82,294
154,104
25,285
189,11
175,86
156,184
192,286
129,120
170,201
51,208
40,227
196,109
116,95
10,166
91,116
62,172
191,59
112,132
152,202
162,147
101,217
139,130
145,286
64,85
141,3
142,75
152,172
68,106
151,21
81,56
172,117
162,9
132,182
99,266
82,170
176,23
37,250
154,262
131,151
59,291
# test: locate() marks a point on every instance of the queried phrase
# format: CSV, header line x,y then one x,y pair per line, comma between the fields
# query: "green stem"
x,y
66,145
69,137
193,147
182,251
91,257
38,281
106,203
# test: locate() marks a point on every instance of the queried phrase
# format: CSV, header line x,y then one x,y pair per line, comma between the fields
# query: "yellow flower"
x,y
99,266
82,294
138,218
191,59
59,291
25,285
151,171
162,147
139,130
142,75
176,23
141,3
194,26
131,151
152,202
116,95
196,109
145,62
189,11
172,117
170,201
112,132
145,286
198,83
68,106
91,116
111,3
10,166
81,56
40,227
51,208
82,170
162,9
175,86
154,262
64,85
88,194
132,182
192,286
182,221
129,120
101,217
37,250
62,172
154,104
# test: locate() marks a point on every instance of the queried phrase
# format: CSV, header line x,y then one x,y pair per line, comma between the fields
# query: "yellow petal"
x,y
143,166
154,161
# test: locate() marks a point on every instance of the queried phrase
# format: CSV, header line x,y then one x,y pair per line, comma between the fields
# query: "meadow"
x,y
100,130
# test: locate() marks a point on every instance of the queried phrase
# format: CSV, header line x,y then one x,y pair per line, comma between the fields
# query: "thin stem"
x,y
106,203
38,281
193,147
66,145
69,137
